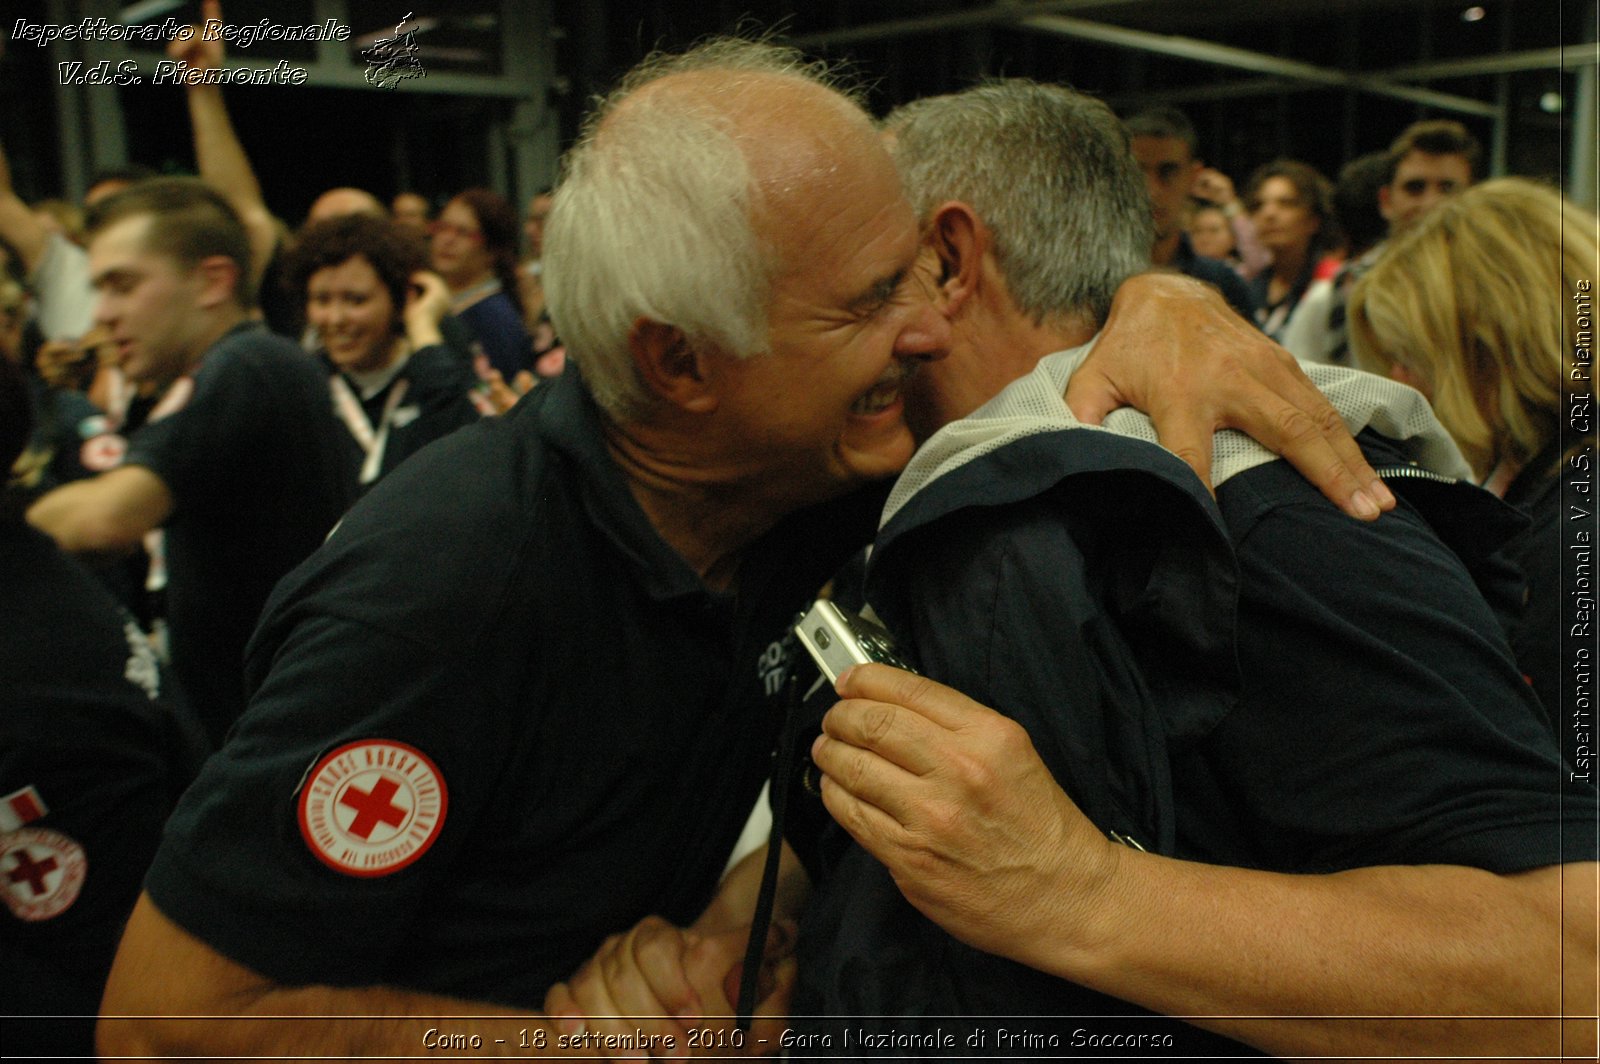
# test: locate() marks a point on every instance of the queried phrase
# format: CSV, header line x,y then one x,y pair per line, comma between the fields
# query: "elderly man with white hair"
x,y
522,698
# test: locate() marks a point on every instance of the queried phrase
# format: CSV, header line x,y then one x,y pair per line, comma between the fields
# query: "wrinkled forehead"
x,y
813,154
818,204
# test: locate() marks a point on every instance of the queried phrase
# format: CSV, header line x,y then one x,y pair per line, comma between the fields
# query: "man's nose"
x,y
926,336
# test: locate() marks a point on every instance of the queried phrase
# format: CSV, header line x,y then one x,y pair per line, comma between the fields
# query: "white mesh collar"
x,y
1033,404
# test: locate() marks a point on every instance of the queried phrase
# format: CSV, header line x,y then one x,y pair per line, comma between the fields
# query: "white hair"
x,y
655,218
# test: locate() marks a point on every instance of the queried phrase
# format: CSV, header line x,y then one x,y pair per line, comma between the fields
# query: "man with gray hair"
x,y
526,694
1153,832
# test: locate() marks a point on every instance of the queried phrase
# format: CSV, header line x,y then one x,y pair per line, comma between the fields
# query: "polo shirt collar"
x,y
570,422
1184,255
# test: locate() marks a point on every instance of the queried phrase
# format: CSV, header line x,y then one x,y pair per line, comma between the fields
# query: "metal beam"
x,y
998,14
1220,90
1581,174
1567,56
1243,59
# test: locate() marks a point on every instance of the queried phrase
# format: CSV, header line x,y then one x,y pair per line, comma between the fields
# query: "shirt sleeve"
x,y
206,439
336,811
1383,719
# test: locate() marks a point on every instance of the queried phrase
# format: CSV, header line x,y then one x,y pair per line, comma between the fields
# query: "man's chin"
x,y
882,462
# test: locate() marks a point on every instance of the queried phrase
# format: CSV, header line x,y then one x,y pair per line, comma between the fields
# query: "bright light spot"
x,y
1551,103
1473,14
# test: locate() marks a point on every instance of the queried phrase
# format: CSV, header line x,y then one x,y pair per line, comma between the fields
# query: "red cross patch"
x,y
41,872
372,807
102,452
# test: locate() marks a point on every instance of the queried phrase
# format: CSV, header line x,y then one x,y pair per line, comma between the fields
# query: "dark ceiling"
x,y
1220,60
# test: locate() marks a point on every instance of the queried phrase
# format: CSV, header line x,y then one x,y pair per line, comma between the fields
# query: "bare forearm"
x,y
171,995
423,333
217,149
334,1022
224,165
22,229
111,512
735,902
1197,940
78,528
1251,252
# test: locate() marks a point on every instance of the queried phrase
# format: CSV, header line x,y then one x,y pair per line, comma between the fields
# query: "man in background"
x,y
1164,143
238,463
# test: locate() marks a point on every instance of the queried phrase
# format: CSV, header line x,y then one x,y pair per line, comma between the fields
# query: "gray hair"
x,y
654,218
1050,172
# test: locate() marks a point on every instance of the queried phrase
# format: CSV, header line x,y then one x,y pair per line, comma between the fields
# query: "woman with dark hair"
x,y
396,385
475,250
1291,205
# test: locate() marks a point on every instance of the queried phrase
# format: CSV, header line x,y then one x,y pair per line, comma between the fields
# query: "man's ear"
x,y
219,281
960,240
671,367
1383,203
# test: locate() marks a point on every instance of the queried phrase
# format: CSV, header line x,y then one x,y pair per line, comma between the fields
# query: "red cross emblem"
x,y
30,870
372,807
41,872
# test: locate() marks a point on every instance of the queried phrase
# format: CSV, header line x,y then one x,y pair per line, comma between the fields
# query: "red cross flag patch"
x,y
41,872
21,807
372,807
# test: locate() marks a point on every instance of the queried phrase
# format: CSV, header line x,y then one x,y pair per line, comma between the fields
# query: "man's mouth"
x,y
884,394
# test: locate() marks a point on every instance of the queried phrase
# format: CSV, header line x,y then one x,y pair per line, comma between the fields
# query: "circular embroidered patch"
x,y
102,452
372,807
41,872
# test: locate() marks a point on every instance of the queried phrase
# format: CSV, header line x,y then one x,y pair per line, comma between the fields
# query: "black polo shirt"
x,y
93,756
574,727
251,456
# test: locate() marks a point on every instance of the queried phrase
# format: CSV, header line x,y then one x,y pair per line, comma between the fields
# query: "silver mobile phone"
x,y
837,638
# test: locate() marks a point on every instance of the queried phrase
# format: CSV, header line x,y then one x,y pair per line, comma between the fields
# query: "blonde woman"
x,y
1486,307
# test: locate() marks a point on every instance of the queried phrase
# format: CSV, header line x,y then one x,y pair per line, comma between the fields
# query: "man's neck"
x,y
701,507
1165,249
461,283
1005,335
1288,268
215,329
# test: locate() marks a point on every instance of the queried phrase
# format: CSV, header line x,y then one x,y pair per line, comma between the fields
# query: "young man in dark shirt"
x,y
238,463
